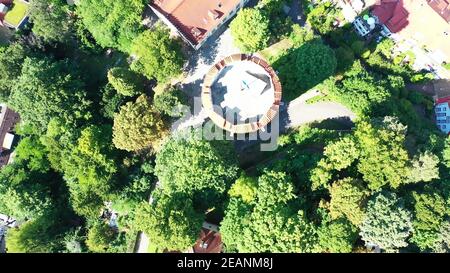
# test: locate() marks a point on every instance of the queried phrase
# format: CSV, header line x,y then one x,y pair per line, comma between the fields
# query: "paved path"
x,y
143,243
298,112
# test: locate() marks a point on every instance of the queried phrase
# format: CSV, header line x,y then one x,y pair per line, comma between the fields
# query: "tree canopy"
x,y
126,82
387,223
158,56
250,30
51,20
270,223
112,23
187,164
170,222
46,89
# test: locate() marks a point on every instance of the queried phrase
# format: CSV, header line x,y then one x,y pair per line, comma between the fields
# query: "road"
x,y
298,112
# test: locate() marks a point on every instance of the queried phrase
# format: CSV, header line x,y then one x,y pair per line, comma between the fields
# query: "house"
x,y
442,112
422,25
6,222
392,14
209,240
8,120
14,13
352,8
442,7
196,20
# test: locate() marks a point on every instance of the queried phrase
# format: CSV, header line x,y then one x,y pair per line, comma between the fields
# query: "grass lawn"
x,y
18,11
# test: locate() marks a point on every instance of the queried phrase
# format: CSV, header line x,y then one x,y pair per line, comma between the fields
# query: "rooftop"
x,y
16,13
209,240
392,14
442,7
8,120
195,18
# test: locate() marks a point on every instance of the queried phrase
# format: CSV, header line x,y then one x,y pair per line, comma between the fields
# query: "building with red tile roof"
x,y
209,240
392,14
8,121
442,7
196,20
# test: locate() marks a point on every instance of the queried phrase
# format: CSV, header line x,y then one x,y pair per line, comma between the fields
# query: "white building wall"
x,y
442,111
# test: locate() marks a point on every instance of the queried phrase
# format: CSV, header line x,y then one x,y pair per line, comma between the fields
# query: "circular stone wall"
x,y
241,93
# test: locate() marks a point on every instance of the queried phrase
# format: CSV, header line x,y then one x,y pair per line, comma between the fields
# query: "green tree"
x,y
300,35
387,223
305,67
112,23
171,102
90,169
342,153
51,20
443,243
111,101
99,237
446,152
348,199
73,241
158,56
45,90
126,82
138,126
322,17
30,149
337,236
430,211
245,187
425,167
383,159
360,90
186,164
250,30
170,222
25,193
39,235
270,223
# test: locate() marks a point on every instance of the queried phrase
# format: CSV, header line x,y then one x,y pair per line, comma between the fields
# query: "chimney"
x,y
213,14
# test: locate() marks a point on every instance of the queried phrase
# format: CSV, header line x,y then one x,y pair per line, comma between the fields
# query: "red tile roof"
x,y
209,242
392,14
9,121
442,7
443,100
